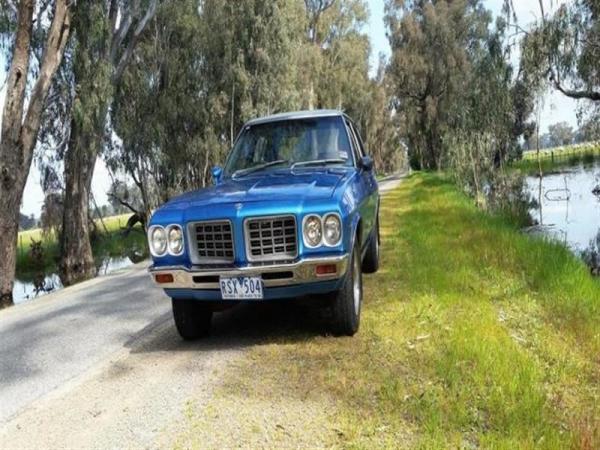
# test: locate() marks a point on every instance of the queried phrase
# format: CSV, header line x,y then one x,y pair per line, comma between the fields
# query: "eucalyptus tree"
x,y
188,89
430,42
32,67
106,34
564,48
336,55
560,134
451,75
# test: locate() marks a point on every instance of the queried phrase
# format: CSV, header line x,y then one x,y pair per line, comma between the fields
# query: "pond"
x,y
34,286
568,209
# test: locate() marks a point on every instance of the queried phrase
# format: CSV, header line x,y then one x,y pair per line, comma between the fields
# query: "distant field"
x,y
112,223
113,244
564,152
552,159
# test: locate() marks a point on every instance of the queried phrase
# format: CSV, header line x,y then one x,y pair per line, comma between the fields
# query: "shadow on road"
x,y
282,321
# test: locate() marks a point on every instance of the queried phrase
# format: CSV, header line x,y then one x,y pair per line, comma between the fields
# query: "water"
x,y
569,211
28,289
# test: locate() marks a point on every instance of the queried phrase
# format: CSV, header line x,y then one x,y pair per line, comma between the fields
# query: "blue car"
x,y
292,213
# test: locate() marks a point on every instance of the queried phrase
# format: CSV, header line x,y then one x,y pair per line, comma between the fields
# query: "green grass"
x,y
472,335
554,159
111,244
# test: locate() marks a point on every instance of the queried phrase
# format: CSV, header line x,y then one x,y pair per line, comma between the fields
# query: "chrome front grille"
x,y
213,241
271,238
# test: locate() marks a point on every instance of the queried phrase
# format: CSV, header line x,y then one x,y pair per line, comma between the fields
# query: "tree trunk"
x,y
77,261
20,129
97,68
10,201
92,74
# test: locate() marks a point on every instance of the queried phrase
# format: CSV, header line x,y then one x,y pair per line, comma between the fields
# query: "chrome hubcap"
x,y
356,287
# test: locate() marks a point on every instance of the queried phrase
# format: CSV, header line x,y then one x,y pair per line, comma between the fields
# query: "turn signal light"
x,y
163,278
326,269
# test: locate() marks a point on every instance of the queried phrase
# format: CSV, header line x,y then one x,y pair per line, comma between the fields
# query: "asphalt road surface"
x,y
100,364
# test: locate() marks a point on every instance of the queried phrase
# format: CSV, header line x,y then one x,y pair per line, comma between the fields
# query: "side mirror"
x,y
216,172
366,163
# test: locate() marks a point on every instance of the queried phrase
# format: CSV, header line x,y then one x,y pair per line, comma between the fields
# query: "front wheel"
x,y
348,300
192,318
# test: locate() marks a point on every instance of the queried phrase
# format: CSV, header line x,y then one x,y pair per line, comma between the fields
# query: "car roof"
x,y
296,115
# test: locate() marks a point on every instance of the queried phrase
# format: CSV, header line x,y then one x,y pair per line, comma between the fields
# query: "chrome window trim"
x,y
283,257
195,258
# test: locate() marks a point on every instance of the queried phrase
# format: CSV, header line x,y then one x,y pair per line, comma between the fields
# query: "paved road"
x,y
63,358
47,341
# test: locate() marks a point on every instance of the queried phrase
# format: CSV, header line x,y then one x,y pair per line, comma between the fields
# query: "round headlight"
x,y
312,231
175,238
332,229
157,240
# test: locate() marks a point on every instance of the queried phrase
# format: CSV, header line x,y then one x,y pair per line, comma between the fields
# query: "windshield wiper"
x,y
237,173
318,162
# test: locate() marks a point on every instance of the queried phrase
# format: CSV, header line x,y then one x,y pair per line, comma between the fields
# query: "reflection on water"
x,y
37,285
568,207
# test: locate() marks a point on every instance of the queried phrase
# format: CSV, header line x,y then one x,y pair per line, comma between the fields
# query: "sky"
x,y
556,107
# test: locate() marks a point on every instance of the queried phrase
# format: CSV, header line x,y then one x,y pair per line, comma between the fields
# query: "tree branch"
x,y
12,6
124,203
126,56
53,52
578,95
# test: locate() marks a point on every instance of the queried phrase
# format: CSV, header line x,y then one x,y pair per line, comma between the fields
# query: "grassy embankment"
x,y
554,159
111,244
472,334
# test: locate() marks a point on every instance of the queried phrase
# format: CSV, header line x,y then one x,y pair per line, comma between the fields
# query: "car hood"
x,y
272,186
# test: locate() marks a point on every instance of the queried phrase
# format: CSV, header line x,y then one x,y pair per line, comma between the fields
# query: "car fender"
x,y
354,224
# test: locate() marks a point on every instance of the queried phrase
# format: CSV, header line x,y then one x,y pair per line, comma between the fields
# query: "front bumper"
x,y
301,272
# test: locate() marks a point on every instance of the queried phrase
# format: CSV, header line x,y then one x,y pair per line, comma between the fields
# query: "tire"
x,y
192,318
371,260
347,302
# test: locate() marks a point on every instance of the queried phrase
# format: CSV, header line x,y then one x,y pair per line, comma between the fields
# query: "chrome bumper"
x,y
273,275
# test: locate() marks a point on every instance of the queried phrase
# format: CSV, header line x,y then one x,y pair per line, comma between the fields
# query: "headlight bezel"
x,y
340,226
151,240
166,232
170,228
323,241
304,225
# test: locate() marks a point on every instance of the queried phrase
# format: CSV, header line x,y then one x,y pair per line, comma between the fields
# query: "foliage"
x,y
27,222
52,214
189,89
451,76
560,134
564,48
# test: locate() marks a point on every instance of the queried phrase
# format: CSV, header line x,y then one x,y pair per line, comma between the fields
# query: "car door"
x,y
368,190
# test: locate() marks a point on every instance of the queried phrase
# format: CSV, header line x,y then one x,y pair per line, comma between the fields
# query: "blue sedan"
x,y
292,213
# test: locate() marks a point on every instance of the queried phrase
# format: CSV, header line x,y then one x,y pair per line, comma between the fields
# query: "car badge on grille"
x,y
239,206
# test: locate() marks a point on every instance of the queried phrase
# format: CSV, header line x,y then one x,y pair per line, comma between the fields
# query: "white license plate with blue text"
x,y
241,288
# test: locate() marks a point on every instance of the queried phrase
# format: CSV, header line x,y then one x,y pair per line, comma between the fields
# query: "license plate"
x,y
241,288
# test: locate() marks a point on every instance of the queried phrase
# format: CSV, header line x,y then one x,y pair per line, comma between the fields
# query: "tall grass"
x,y
473,335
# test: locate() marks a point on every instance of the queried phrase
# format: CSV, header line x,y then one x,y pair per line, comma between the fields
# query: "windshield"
x,y
299,143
